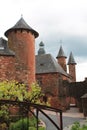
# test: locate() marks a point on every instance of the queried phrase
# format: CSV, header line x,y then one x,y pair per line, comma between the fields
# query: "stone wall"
x,y
62,62
53,87
48,82
22,43
72,72
7,68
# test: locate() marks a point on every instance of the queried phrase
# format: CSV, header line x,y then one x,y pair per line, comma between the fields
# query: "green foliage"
x,y
4,113
12,90
76,126
33,128
19,125
23,123
35,93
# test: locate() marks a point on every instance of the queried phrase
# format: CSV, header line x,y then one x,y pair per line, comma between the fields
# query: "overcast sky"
x,y
55,20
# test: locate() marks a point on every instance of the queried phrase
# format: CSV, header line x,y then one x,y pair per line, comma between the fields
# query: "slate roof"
x,y
21,24
71,59
61,53
47,64
4,50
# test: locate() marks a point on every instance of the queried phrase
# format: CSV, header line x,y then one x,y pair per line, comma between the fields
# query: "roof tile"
x,y
47,64
21,24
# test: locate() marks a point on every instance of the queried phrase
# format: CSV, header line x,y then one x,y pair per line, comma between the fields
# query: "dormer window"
x,y
42,64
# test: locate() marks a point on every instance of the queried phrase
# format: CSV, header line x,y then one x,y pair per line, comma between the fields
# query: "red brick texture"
x,y
72,72
7,68
53,89
22,43
62,62
49,83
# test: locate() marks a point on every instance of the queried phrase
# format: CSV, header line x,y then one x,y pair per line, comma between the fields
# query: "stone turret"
x,y
61,58
21,39
72,67
41,50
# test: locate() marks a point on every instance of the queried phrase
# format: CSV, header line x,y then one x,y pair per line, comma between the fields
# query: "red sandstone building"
x,y
52,75
18,61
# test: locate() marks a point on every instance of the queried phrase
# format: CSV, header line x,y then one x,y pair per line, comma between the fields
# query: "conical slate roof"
x,y
71,59
41,50
61,53
21,24
41,44
4,49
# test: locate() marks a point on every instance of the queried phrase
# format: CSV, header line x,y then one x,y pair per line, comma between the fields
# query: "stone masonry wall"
x,y
7,68
22,43
53,87
48,82
62,62
72,72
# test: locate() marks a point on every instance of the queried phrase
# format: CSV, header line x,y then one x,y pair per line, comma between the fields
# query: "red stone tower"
x,y
72,67
21,39
61,58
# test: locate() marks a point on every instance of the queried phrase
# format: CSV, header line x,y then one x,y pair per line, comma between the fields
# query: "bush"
x,y
12,90
4,113
76,126
23,123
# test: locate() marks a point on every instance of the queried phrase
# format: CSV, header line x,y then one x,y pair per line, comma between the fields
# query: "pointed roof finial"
x,y
71,59
41,44
41,49
61,53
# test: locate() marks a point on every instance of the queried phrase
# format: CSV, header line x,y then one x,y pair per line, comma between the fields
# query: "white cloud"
x,y
81,71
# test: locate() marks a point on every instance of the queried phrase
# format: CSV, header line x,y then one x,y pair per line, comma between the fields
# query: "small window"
x,y
41,64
